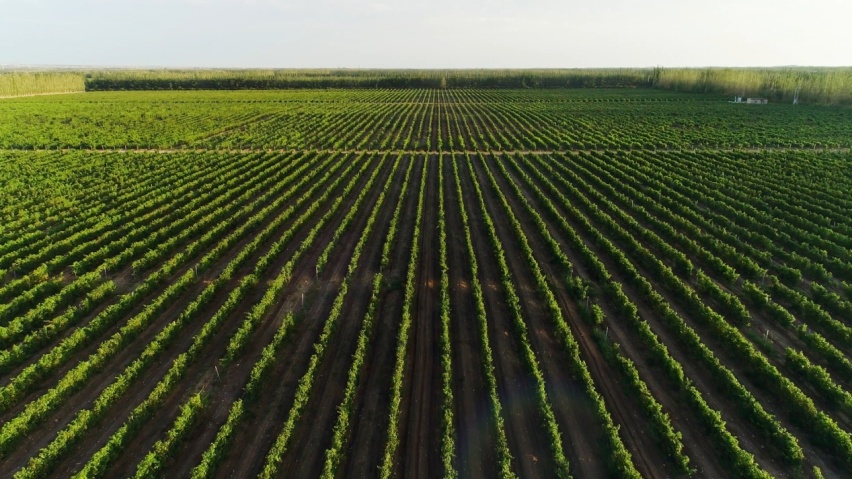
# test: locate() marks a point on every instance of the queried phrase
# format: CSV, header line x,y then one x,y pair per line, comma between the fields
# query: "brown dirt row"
x,y
369,431
476,437
769,401
528,441
649,460
418,454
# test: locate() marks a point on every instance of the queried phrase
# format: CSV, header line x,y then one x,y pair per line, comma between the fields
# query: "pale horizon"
x,y
423,35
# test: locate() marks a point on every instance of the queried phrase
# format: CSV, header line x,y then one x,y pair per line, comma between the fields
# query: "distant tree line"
x,y
783,84
286,79
18,83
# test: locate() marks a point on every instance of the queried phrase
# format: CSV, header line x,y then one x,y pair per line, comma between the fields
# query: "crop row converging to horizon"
x,y
424,283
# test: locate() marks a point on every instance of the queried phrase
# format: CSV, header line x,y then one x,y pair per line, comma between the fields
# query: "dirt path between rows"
x,y
420,418
476,441
369,432
528,440
649,460
313,433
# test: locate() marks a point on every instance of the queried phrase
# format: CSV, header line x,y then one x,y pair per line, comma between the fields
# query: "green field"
x,y
424,283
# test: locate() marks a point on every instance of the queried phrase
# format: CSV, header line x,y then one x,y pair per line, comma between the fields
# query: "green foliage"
x,y
163,450
471,119
37,410
17,83
693,247
815,85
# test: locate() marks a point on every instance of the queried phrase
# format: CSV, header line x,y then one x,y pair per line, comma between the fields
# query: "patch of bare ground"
x,y
369,431
306,454
418,454
574,412
527,439
476,441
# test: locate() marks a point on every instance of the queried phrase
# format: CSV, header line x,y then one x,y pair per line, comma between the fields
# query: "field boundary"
x,y
25,95
423,152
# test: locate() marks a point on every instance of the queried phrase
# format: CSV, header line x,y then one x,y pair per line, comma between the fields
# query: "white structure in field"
x,y
750,101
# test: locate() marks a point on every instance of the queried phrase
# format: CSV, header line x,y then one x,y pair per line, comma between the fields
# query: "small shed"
x,y
756,101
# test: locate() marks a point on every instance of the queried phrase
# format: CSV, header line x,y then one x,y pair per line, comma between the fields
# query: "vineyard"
x,y
424,283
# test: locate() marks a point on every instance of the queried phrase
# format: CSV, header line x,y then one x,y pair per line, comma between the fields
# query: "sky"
x,y
425,34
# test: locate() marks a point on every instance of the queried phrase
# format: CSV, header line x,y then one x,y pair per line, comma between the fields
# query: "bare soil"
x,y
476,441
528,441
420,417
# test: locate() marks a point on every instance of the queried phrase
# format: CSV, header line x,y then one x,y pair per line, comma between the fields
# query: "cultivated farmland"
x,y
424,283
